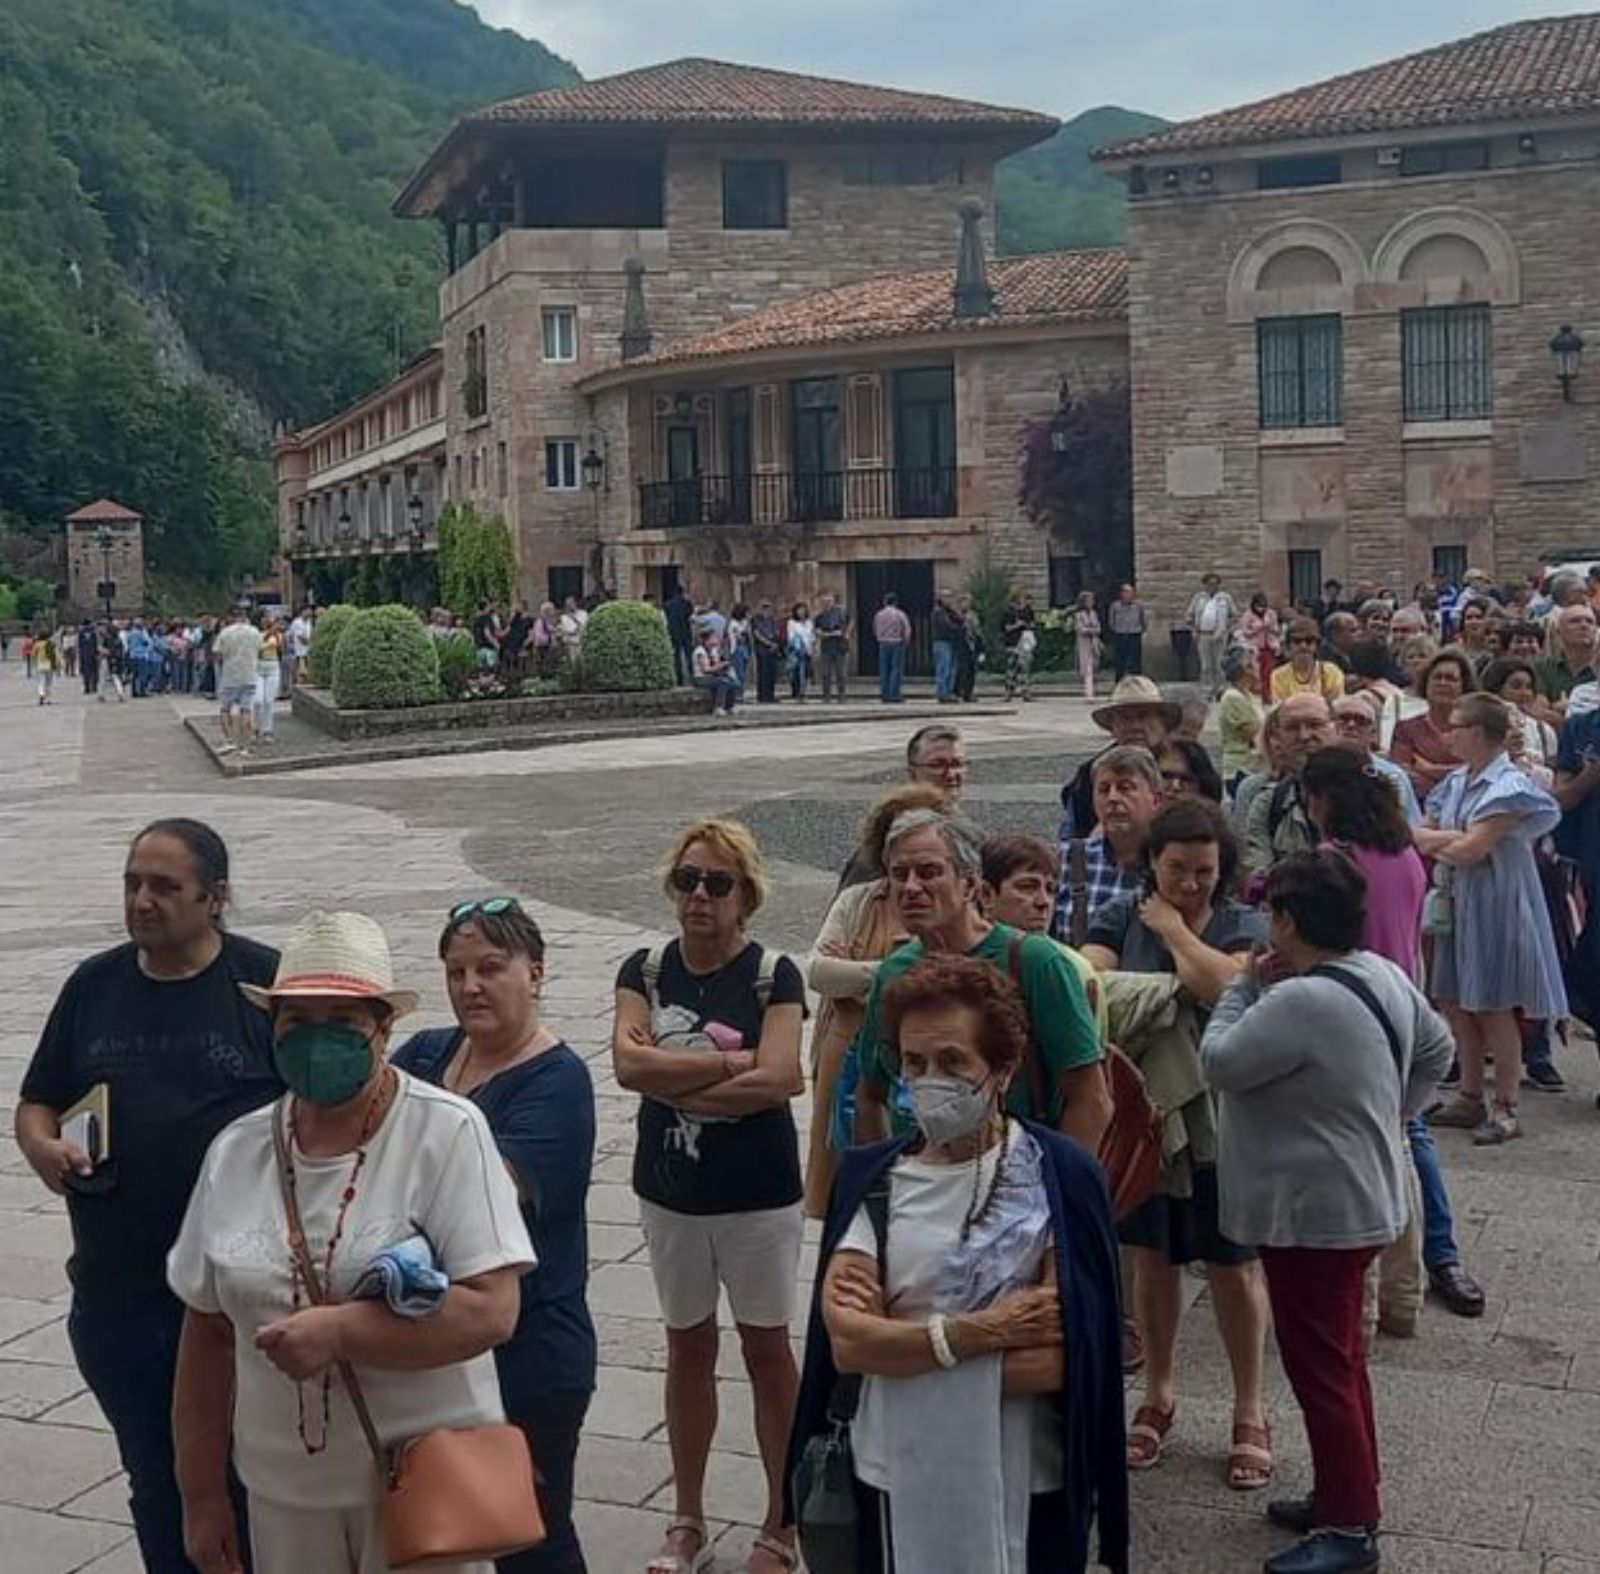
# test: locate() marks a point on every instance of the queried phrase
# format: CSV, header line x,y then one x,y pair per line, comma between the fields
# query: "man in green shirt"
x,y
934,870
1573,658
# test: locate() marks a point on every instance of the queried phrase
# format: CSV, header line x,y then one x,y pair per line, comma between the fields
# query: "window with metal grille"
x,y
1300,370
1305,576
1446,358
755,194
1451,563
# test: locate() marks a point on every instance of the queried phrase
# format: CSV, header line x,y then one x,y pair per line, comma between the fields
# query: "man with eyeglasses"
x,y
1278,824
936,756
1356,721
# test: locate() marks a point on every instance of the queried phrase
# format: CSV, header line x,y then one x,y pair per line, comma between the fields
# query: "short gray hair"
x,y
963,840
934,732
1128,759
1237,659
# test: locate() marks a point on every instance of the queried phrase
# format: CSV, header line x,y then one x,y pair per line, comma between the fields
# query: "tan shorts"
x,y
756,1256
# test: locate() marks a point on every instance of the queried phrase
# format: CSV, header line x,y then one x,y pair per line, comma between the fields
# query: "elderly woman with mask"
x,y
368,1158
968,1277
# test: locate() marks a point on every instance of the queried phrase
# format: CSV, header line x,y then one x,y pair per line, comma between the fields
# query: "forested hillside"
x,y
195,239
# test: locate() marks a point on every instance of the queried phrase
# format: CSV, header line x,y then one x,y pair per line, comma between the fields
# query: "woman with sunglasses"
x,y
536,1094
707,1030
1305,672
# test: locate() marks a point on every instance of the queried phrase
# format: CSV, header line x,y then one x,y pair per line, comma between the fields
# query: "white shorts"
x,y
756,1256
286,1540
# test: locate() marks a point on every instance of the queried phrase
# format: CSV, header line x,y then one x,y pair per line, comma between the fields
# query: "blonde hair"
x,y
897,801
735,841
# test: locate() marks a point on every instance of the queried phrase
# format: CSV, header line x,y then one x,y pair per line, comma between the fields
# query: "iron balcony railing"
x,y
782,497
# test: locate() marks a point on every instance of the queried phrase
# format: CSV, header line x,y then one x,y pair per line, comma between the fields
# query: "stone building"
x,y
104,559
1342,302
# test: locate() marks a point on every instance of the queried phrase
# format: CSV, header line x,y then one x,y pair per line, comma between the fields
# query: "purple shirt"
x,y
1396,886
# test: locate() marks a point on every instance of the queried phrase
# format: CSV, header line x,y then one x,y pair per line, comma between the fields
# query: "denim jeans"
x,y
892,671
128,1356
944,669
724,690
1439,1249
1536,1047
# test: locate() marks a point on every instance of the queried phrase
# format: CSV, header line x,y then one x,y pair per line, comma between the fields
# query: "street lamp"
x,y
593,467
1058,425
347,527
108,590
1567,351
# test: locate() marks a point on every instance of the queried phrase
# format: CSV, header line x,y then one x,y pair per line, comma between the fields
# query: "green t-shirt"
x,y
1064,1034
1557,679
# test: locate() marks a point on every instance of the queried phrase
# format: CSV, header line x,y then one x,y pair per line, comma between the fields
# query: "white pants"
x,y
287,1540
266,697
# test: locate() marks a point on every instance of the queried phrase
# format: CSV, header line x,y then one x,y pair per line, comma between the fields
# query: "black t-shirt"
x,y
182,1059
685,1162
485,629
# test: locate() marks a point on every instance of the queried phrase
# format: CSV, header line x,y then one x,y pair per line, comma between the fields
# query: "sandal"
x,y
787,1555
1499,1126
667,1561
1250,1463
1147,1436
1463,1113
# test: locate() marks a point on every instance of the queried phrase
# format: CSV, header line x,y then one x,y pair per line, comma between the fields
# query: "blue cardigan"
x,y
1091,1401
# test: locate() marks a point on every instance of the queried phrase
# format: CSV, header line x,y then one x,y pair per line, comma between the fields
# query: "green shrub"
x,y
626,647
325,635
385,659
458,663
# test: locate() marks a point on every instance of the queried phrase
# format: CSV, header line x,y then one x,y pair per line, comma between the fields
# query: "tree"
x,y
1077,481
476,560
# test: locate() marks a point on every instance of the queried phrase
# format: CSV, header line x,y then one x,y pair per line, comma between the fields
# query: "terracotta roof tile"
x,y
1051,287
102,509
713,91
1526,70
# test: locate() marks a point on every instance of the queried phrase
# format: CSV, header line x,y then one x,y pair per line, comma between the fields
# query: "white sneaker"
x,y
224,748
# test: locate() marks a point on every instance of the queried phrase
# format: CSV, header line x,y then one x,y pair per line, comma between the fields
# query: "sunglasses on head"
x,y
688,878
490,909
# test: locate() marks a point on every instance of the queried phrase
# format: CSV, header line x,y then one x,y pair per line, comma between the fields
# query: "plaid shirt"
x,y
1104,879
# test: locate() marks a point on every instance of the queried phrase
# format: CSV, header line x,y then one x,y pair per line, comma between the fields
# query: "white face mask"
x,y
948,1108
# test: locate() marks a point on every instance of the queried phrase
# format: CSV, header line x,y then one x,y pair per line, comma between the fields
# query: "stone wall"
x,y
1375,497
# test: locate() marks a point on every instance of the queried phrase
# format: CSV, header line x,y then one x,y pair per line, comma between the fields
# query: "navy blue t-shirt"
x,y
542,1115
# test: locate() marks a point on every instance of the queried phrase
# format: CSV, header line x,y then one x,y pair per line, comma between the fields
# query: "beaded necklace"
x,y
296,1277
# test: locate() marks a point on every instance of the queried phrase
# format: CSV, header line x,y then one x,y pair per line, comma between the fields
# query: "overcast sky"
x,y
1170,57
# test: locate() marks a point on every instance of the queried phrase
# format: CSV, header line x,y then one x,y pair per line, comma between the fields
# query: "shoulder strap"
x,y
766,974
1278,807
1363,992
1078,885
1034,1061
653,959
315,1288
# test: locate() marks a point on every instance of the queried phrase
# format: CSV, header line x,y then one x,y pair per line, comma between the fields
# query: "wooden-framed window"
x,y
1446,356
560,330
755,194
1300,371
1305,576
561,464
475,384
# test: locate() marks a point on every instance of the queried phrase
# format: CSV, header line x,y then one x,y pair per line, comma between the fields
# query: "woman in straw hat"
x,y
372,1158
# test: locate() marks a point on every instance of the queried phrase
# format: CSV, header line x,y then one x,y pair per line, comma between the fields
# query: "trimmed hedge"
x,y
385,660
626,649
325,635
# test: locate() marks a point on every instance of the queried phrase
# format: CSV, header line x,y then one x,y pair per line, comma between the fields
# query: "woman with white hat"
x,y
368,1158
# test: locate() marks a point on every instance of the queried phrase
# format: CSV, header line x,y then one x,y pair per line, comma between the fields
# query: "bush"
x,y
325,635
626,648
458,663
385,659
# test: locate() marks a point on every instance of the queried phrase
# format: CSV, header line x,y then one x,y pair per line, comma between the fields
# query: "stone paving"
x,y
1491,1430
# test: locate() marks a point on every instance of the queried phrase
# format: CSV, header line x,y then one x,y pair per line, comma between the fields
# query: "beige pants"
x,y
1396,1282
288,1540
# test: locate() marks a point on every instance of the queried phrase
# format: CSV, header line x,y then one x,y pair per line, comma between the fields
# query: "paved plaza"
x,y
1490,1429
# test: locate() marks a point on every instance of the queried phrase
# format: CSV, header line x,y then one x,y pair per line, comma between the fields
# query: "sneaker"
x,y
1543,1076
1501,1126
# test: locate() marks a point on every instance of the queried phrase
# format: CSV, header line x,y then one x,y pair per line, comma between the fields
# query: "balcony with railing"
x,y
800,497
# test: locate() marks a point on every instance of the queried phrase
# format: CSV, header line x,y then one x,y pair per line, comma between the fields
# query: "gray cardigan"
x,y
1310,1105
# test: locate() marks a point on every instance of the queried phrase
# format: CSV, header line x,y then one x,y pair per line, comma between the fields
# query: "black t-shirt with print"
x,y
694,1165
182,1058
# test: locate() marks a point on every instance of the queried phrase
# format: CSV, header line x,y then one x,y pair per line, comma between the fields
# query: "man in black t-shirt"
x,y
161,1025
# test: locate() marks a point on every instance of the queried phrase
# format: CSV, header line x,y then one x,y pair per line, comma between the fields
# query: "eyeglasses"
x,y
944,767
492,908
688,878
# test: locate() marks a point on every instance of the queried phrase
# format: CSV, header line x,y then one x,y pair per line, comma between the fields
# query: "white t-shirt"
x,y
431,1168
927,1203
236,649
300,638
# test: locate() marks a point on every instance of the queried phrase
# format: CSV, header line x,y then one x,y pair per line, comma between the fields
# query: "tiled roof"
x,y
1523,71
100,511
1051,287
698,92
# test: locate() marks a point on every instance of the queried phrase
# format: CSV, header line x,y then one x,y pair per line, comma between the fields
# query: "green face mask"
x,y
324,1063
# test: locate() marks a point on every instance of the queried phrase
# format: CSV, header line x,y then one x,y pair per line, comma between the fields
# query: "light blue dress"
x,y
1501,954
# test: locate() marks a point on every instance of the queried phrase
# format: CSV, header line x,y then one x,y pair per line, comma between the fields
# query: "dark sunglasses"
x,y
490,909
688,878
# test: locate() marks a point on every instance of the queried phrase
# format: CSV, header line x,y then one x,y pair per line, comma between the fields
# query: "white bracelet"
x,y
940,1341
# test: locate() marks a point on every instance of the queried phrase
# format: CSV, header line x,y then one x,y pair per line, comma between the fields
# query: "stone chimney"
x,y
636,337
974,297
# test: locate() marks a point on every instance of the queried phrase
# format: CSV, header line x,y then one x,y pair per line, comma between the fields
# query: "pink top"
x,y
1396,886
1259,631
890,626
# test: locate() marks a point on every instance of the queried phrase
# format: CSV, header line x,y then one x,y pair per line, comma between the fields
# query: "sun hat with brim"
x,y
1136,693
335,956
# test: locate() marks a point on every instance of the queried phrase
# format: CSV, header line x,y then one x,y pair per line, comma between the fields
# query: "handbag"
x,y
826,1509
453,1495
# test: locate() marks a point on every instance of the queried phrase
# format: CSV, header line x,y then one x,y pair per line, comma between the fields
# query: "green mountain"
x,y
1051,196
195,240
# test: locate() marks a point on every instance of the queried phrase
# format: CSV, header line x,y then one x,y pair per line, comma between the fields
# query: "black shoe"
x,y
1327,1552
1543,1076
1293,1513
1460,1292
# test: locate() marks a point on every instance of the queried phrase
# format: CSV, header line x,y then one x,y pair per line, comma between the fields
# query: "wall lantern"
x,y
1058,425
593,467
683,407
1566,349
414,513
1204,176
1172,180
346,525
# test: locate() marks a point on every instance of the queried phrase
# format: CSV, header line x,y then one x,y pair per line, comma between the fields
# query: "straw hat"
x,y
1136,693
335,956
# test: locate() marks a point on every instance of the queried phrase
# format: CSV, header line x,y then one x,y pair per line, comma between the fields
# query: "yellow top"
x,y
1327,680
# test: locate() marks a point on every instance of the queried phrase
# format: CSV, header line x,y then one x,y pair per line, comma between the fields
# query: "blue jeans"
x,y
1439,1249
944,669
724,690
1536,1048
891,672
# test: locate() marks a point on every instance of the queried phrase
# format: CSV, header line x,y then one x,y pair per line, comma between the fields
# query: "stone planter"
x,y
316,707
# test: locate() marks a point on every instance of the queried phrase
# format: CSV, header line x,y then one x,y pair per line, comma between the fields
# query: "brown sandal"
x,y
1147,1436
1250,1462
